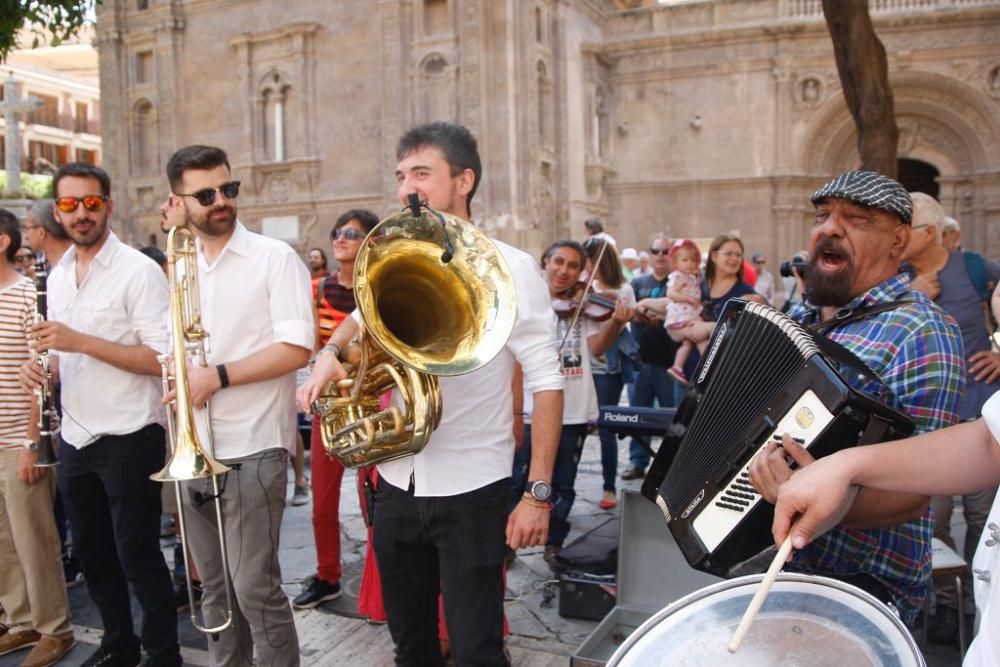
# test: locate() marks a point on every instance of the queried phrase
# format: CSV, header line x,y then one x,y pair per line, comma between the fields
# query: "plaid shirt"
x,y
916,350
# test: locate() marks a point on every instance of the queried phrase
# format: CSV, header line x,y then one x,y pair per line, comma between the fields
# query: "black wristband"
x,y
223,375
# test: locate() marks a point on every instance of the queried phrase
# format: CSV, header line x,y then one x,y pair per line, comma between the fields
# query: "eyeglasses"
x,y
347,233
659,251
90,202
24,257
206,197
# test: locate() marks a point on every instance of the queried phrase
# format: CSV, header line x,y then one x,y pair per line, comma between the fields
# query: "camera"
x,y
796,263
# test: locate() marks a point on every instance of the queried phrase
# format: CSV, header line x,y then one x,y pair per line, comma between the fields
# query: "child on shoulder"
x,y
683,322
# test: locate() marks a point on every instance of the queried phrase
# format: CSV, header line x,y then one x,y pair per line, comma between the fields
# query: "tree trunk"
x,y
864,77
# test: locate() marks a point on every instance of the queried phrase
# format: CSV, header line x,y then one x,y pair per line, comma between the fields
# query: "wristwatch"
x,y
539,490
30,445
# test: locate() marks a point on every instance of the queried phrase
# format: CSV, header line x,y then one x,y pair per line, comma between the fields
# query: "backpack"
x,y
975,267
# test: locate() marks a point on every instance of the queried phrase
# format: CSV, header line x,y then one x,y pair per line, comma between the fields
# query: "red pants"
x,y
327,474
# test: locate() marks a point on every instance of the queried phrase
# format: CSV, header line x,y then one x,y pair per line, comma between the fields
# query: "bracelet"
x,y
333,347
534,503
223,375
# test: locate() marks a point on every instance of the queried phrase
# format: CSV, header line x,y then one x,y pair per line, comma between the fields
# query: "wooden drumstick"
x,y
758,599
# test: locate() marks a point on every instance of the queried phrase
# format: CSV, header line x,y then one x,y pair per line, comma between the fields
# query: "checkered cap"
x,y
870,190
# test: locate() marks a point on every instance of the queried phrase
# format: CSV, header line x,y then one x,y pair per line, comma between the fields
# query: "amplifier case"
x,y
652,573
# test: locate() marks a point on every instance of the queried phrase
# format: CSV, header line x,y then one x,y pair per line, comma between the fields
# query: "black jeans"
x,y
114,513
452,544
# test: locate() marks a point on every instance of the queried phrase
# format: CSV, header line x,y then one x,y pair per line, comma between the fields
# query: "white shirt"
x,y
580,393
985,648
255,294
474,444
123,299
765,286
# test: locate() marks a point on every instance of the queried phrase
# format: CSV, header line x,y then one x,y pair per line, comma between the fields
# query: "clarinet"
x,y
48,418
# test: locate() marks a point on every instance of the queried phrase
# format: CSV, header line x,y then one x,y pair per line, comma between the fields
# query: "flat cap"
x,y
871,190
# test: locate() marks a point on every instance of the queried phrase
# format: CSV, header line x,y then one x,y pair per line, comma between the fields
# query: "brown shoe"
x,y
48,651
15,641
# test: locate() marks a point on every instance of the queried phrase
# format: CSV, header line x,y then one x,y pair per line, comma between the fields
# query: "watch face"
x,y
541,490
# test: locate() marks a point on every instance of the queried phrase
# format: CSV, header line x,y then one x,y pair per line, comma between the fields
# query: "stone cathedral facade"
x,y
688,118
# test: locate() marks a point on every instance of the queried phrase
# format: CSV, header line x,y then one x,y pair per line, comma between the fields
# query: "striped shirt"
x,y
916,350
17,311
336,303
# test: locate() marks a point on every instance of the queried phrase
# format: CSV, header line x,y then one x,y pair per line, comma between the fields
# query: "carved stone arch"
x,y
143,138
273,113
435,78
942,120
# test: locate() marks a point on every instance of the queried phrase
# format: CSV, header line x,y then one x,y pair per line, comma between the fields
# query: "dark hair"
x,y
194,157
10,228
43,213
593,226
573,245
610,269
717,243
365,218
321,254
82,170
454,141
154,254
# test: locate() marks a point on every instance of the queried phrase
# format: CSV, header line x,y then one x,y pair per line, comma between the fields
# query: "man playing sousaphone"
x,y
441,515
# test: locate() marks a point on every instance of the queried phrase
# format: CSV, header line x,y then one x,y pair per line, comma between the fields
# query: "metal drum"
x,y
806,620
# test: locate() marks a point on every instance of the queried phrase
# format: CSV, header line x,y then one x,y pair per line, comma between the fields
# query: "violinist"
x,y
580,339
613,369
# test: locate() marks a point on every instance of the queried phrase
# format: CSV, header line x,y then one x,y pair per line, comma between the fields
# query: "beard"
x,y
211,226
826,287
88,237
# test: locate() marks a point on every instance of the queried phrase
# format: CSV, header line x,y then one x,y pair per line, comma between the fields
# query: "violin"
x,y
597,306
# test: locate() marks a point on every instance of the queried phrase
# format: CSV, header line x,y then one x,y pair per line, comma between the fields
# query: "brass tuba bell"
x,y
436,298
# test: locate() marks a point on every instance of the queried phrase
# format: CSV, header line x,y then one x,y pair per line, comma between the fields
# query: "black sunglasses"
x,y
347,233
206,197
659,251
21,257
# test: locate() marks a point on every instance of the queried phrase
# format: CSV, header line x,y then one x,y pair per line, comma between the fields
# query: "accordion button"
x,y
982,575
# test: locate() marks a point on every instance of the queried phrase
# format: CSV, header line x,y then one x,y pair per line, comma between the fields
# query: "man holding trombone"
x,y
107,324
256,308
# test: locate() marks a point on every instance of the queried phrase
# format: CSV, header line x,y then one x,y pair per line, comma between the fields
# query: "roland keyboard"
x,y
627,421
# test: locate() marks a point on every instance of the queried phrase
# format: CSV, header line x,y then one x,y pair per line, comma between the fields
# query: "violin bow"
x,y
583,295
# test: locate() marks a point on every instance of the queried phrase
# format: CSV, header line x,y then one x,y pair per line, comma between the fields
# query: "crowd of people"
x,y
883,276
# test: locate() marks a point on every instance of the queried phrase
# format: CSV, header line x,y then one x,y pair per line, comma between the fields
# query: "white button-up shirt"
x,y
985,648
255,294
474,443
123,299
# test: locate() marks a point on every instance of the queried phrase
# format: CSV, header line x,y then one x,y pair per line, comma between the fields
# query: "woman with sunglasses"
x,y
333,299
24,261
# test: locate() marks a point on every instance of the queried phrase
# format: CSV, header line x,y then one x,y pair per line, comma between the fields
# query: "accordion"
x,y
762,375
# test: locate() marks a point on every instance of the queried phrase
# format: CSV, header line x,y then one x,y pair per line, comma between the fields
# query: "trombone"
x,y
189,459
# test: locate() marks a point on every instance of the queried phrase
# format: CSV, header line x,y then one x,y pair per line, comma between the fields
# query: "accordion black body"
x,y
762,375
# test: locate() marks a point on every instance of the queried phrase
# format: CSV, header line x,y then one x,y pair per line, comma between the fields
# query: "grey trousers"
x,y
253,501
976,508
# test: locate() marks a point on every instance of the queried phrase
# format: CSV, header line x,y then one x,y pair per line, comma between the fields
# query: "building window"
x,y
144,139
47,113
84,155
275,100
80,121
435,17
144,67
142,5
539,26
45,157
437,91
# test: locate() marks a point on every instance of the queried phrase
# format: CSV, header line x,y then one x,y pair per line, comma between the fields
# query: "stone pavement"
x,y
539,636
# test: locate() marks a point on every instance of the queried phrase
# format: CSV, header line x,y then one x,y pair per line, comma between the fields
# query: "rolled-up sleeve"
x,y
291,301
533,339
149,298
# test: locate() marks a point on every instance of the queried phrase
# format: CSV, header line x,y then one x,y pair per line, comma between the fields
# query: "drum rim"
x,y
725,584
